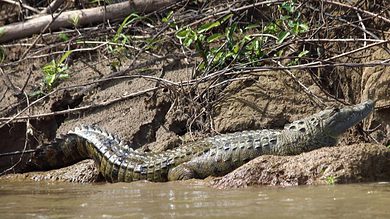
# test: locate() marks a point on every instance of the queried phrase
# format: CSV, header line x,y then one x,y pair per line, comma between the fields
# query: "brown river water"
x,y
191,200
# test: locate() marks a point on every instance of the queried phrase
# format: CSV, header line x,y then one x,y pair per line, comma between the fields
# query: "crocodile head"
x,y
334,122
324,127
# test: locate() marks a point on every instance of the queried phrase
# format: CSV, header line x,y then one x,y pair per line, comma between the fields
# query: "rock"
x,y
345,164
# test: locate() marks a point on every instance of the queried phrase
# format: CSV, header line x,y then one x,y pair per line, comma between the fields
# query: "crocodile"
x,y
213,156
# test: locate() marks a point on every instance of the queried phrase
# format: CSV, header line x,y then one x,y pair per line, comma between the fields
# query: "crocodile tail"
x,y
59,153
82,143
108,152
117,161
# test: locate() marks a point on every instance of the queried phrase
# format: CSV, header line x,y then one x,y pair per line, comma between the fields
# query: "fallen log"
x,y
83,17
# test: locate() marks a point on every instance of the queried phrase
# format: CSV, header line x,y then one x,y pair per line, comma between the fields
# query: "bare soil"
x,y
268,102
156,121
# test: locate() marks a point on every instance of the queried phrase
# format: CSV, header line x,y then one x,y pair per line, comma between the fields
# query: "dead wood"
x,y
80,17
54,5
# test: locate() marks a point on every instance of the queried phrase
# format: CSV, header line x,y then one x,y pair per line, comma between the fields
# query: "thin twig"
x,y
342,40
230,10
3,95
83,108
364,28
40,35
25,141
308,92
54,5
26,82
17,152
357,9
15,90
22,4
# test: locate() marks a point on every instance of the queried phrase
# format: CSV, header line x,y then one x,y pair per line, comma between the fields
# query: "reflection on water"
x,y
178,200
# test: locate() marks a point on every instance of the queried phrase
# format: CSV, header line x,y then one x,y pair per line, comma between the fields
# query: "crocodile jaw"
x,y
336,121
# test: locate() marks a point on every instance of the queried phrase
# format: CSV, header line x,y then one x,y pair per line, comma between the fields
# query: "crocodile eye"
x,y
336,110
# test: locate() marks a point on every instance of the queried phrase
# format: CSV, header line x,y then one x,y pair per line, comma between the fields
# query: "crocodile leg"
x,y
181,172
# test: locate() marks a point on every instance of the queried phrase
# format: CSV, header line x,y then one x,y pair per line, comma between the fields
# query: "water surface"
x,y
191,199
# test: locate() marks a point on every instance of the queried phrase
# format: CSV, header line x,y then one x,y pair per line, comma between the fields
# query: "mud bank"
x,y
344,164
168,116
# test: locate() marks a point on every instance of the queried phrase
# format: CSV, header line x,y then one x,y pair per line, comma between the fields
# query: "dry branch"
x,y
21,4
78,109
54,5
83,17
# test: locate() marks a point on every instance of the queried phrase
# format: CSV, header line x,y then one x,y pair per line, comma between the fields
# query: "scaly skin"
x,y
214,156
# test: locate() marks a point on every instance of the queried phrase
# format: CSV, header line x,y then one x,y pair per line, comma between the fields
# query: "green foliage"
x,y
63,37
288,24
168,18
120,39
74,20
330,180
54,72
221,44
2,31
295,61
220,47
119,36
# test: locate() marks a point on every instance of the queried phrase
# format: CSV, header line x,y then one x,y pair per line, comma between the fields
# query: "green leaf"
x,y
208,26
187,42
49,79
63,36
282,36
295,28
63,76
2,31
218,57
74,20
182,34
331,180
227,17
252,26
303,53
304,27
128,20
201,66
50,69
236,48
271,28
168,17
36,94
65,56
214,37
288,6
285,18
